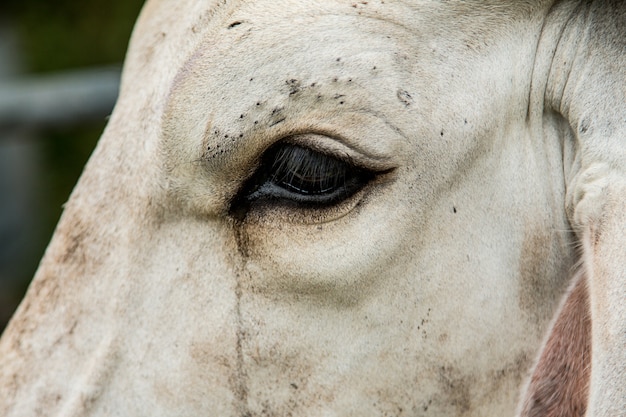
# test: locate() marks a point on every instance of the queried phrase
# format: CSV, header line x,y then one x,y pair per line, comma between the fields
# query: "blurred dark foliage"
x,y
54,36
65,34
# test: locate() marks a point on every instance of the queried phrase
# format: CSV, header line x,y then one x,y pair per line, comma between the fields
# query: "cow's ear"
x,y
559,385
584,51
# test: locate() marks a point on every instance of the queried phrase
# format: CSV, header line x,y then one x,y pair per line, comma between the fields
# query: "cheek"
x,y
336,261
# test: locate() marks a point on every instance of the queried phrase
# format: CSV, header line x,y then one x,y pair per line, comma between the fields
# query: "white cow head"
x,y
342,208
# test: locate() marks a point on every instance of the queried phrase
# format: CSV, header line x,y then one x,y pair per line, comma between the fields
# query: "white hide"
x,y
500,128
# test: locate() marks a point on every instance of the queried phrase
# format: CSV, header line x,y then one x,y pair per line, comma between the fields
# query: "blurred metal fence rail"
x,y
63,99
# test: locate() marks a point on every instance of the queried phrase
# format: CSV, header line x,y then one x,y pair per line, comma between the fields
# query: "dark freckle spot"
x,y
338,59
442,133
256,122
241,135
312,84
258,103
374,68
241,116
341,102
319,96
251,79
335,79
294,386
232,25
584,126
294,86
225,136
405,97
454,209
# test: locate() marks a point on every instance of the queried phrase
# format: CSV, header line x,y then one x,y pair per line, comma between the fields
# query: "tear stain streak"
x,y
239,380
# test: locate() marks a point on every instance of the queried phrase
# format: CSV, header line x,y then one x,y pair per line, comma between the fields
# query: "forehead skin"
x,y
419,295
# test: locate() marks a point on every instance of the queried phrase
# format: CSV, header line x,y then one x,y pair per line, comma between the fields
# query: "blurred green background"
x,y
50,37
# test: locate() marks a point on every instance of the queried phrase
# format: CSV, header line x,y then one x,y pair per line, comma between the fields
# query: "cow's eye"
x,y
296,174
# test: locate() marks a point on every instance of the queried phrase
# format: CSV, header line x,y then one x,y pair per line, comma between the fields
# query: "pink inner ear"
x,y
560,382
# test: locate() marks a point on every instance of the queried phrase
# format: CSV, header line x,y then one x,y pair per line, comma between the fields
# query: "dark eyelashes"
x,y
307,172
295,174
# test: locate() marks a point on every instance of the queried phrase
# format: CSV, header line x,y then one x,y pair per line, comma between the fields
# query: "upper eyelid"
x,y
336,147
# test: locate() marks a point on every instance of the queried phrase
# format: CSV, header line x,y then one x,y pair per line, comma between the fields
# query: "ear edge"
x,y
559,385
